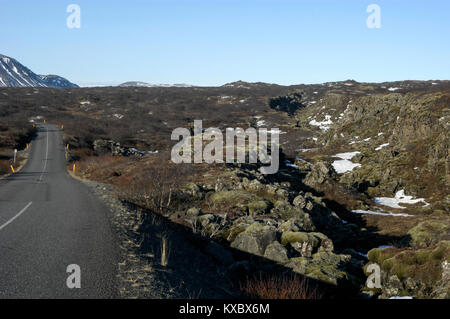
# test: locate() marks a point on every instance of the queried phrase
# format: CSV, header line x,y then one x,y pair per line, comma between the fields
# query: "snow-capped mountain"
x,y
14,74
56,81
143,84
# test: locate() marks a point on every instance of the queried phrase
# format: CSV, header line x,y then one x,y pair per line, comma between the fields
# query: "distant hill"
x,y
14,74
247,85
144,84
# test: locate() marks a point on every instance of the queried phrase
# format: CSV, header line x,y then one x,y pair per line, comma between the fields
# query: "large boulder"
x,y
302,242
111,147
276,252
101,146
326,244
238,226
255,239
192,190
299,201
321,172
307,243
286,211
302,222
210,225
323,267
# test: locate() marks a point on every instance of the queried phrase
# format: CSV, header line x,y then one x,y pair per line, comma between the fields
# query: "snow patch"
x,y
260,123
400,198
324,125
381,213
276,131
345,165
347,156
381,146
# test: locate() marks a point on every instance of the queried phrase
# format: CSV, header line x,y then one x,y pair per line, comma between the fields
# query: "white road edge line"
x,y
18,214
46,157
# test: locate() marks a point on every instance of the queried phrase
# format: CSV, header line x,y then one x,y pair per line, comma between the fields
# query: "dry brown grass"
x,y
4,167
279,287
99,168
165,250
154,184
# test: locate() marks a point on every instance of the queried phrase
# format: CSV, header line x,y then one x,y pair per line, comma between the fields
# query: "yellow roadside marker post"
x,y
74,168
12,169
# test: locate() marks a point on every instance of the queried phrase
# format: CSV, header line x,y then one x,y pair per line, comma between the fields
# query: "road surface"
x,y
49,221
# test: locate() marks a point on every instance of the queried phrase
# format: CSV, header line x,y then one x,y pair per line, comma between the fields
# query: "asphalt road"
x,y
49,221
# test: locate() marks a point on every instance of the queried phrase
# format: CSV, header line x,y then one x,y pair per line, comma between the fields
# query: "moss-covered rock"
x,y
299,201
414,272
226,197
304,243
287,211
193,190
320,173
232,232
294,237
429,232
296,224
378,255
276,252
255,239
327,273
239,201
325,267
330,258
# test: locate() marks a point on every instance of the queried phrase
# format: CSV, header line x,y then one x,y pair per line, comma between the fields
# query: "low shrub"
x,y
276,286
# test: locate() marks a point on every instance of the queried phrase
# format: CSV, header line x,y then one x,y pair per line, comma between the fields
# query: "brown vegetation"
x,y
274,286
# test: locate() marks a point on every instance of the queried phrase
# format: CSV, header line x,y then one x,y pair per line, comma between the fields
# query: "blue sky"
x,y
212,42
